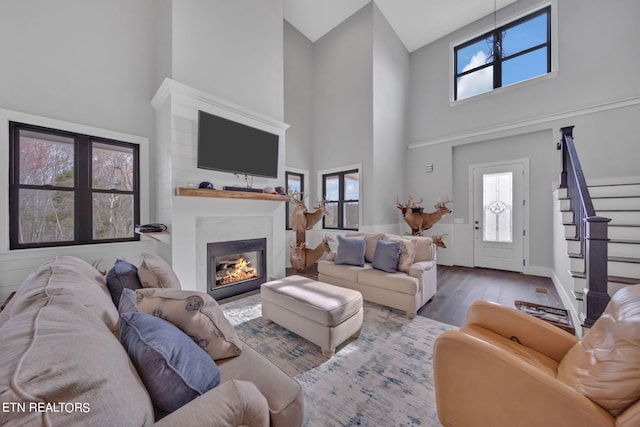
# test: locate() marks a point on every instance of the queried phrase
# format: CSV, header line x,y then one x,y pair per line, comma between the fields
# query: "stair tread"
x,y
611,258
614,185
632,196
624,259
613,279
627,280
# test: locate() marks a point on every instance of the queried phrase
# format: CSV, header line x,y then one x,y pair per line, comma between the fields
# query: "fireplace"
x,y
235,267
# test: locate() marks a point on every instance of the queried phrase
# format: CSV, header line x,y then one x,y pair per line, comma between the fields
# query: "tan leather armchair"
x,y
506,368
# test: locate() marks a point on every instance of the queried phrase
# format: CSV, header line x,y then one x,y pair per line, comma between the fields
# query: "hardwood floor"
x,y
459,287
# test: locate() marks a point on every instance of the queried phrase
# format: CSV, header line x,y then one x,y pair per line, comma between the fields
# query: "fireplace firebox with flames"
x,y
235,267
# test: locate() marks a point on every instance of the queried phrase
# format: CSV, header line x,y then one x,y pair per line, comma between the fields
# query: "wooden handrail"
x,y
591,229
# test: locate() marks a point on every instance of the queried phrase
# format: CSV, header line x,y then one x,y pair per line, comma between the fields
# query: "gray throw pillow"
x,y
386,256
173,369
123,275
350,251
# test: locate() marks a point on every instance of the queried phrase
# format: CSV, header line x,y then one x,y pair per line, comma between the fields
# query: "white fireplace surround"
x,y
196,221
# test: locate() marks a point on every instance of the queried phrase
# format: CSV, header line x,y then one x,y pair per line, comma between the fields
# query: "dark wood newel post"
x,y
591,229
597,278
566,131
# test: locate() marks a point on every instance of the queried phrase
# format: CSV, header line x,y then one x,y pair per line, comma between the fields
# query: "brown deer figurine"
x,y
303,257
298,219
417,219
298,255
412,213
428,219
312,218
437,240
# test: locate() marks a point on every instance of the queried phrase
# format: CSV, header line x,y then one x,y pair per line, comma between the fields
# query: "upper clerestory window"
x,y
517,51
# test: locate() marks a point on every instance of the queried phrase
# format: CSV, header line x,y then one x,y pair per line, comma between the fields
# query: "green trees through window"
x,y
68,188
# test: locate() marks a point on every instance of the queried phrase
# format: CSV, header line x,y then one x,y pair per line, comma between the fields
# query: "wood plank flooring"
x,y
459,287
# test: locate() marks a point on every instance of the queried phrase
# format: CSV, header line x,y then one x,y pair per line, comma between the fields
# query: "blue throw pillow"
x,y
350,251
386,256
127,302
172,367
122,275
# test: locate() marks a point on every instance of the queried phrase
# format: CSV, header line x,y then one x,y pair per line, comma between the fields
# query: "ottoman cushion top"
x,y
321,302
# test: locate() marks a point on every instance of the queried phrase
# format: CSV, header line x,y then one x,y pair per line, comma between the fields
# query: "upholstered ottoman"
x,y
324,314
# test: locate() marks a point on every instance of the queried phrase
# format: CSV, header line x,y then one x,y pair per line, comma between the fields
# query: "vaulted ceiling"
x,y
416,22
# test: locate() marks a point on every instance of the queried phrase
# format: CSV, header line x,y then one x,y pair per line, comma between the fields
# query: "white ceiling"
x,y
417,22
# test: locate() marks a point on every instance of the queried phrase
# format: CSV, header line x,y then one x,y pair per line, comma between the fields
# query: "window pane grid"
x,y
52,200
480,63
294,183
341,190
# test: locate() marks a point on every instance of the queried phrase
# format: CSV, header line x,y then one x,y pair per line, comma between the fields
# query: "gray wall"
x,y
342,111
232,50
539,148
595,89
87,62
390,94
299,75
595,68
359,97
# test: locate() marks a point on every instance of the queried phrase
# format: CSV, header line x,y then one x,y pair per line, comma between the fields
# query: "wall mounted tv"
x,y
228,146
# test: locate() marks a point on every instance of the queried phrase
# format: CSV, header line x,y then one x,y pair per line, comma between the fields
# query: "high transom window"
x,y
509,54
68,188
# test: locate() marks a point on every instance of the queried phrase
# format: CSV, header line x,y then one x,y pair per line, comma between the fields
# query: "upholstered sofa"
x,y
62,364
408,288
506,368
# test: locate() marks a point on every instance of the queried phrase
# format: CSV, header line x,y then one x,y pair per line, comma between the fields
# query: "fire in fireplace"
x,y
235,267
234,270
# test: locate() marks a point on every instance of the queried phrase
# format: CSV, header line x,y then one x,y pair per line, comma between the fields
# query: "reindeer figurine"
x,y
417,219
412,213
428,219
312,218
303,257
299,219
437,240
303,219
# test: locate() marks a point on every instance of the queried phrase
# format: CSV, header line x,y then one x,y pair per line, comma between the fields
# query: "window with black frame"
x,y
341,191
68,189
512,53
294,184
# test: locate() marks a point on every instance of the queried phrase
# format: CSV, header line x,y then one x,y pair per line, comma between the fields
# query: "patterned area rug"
x,y
382,378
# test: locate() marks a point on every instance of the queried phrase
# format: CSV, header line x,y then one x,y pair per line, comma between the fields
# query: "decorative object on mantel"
x,y
417,219
206,184
302,220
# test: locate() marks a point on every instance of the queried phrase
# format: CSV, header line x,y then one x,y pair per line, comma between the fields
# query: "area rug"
x,y
382,378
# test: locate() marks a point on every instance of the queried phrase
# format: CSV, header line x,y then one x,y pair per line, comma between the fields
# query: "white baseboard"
x,y
568,301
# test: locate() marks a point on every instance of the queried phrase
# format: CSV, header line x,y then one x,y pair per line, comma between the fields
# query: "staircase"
x,y
620,203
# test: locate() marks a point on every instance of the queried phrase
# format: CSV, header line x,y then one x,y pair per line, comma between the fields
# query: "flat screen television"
x,y
228,146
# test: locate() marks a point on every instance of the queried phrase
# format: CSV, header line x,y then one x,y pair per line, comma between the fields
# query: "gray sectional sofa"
x,y
62,364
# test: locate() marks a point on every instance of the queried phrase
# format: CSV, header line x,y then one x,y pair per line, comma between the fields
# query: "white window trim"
x,y
322,172
7,116
499,23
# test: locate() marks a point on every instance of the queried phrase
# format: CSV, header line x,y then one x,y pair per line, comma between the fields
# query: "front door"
x,y
498,216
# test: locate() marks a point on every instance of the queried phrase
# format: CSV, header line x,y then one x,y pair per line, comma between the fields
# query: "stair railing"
x,y
590,228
